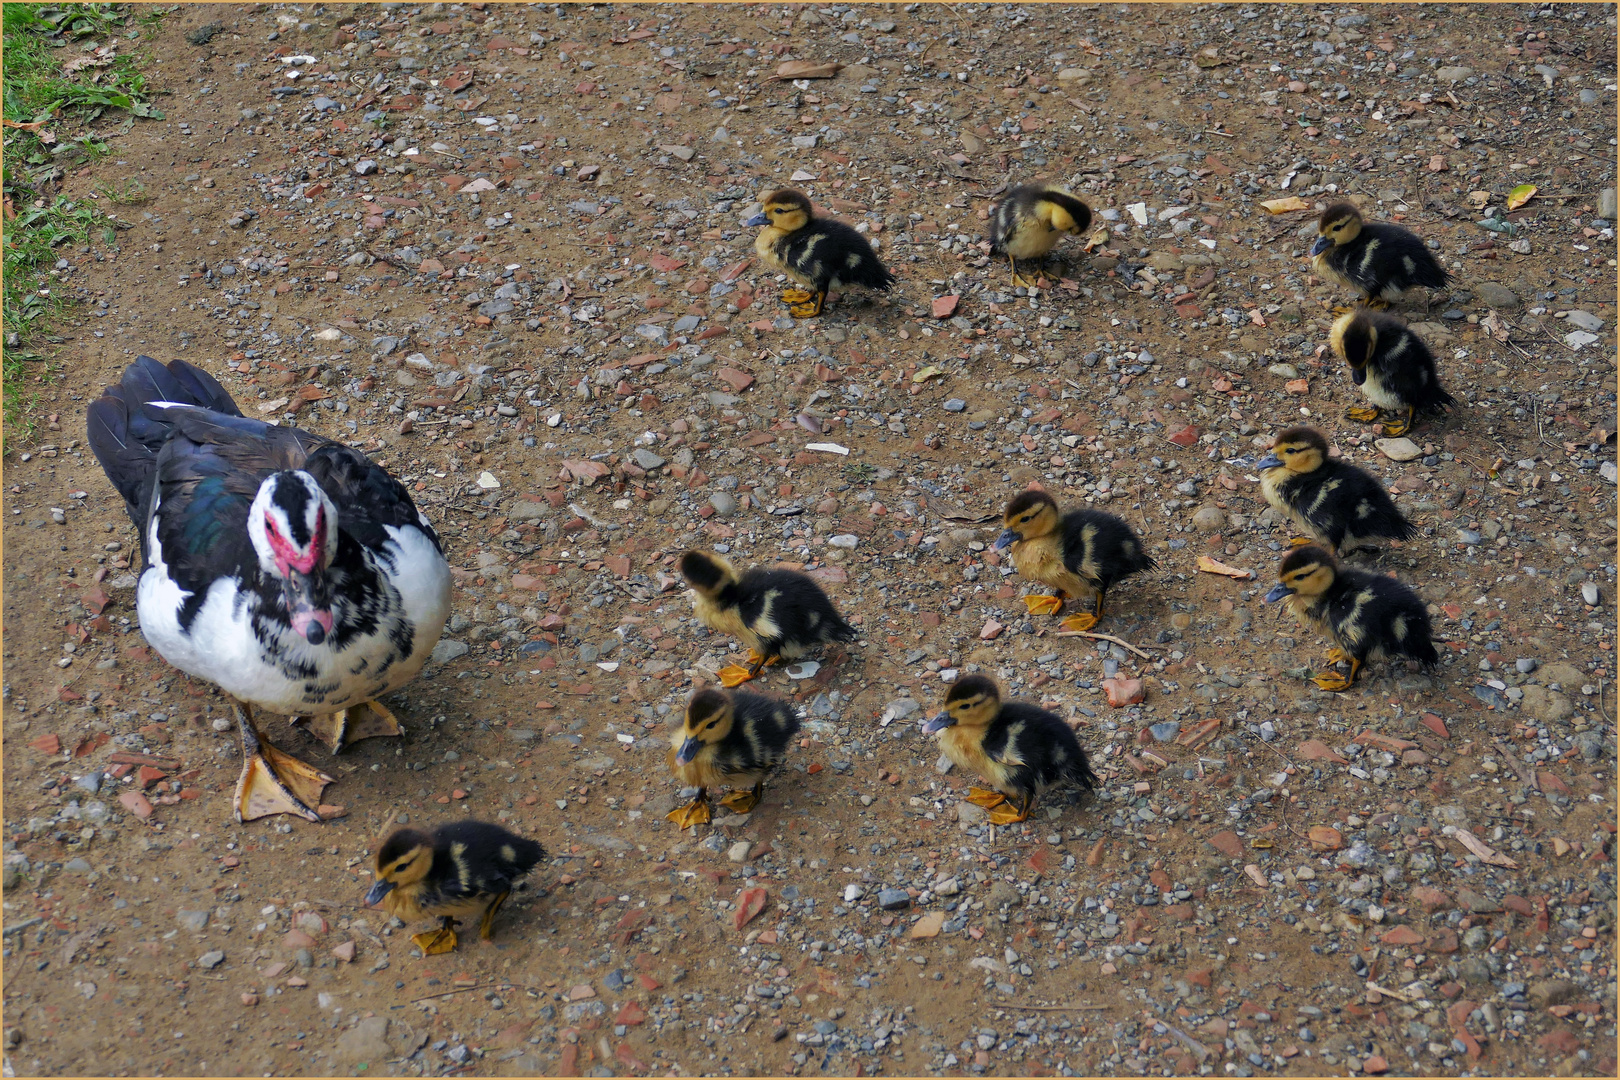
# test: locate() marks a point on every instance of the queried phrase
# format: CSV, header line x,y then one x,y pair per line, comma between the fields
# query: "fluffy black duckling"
x,y
1378,259
819,253
1331,501
728,740
778,614
1018,748
1393,367
1081,553
459,870
1368,615
1027,223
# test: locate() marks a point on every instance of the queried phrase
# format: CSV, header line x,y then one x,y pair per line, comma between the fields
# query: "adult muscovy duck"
x,y
287,568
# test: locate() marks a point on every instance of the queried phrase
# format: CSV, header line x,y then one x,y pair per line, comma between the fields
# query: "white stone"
x,y
1399,449
487,481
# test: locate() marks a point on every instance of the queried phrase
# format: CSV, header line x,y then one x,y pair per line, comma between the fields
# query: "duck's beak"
x,y
689,750
757,219
309,617
1270,461
1007,539
379,890
1358,375
938,723
1278,591
1321,245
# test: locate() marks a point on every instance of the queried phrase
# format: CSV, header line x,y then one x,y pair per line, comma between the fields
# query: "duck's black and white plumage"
x,y
287,568
819,253
1330,500
1391,365
1378,259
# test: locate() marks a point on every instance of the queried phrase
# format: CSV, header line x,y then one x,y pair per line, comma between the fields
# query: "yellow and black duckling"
x,y
1081,553
1393,367
1018,748
1378,259
778,614
1369,616
1331,501
819,253
1027,223
460,870
728,740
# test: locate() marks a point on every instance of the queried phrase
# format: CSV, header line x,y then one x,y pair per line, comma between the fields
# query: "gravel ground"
x,y
500,250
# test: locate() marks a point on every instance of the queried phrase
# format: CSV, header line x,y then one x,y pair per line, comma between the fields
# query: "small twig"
x,y
1279,753
1396,994
1222,134
1104,637
1058,1008
1601,710
447,993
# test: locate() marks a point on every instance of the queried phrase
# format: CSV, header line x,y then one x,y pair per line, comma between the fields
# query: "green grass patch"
x,y
63,73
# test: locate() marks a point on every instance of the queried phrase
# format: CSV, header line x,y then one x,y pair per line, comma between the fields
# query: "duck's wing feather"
x,y
368,499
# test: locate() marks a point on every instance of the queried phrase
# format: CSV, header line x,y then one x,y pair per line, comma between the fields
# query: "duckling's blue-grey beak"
x,y
1321,245
1358,375
1007,539
938,723
375,894
1270,461
689,750
757,219
1278,591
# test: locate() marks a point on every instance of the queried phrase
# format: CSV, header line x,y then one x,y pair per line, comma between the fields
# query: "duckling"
x,y
459,870
1393,367
777,613
728,740
1027,223
1378,259
1020,749
817,252
1081,553
1368,615
1331,501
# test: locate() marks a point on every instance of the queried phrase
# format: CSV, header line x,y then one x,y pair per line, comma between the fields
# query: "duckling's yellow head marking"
x,y
1031,515
1354,337
972,702
787,210
709,716
403,860
1307,571
1297,449
706,572
1063,212
1338,225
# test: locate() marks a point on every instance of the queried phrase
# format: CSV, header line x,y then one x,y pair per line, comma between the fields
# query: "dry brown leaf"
x,y
807,69
1210,566
1286,206
1208,57
1324,838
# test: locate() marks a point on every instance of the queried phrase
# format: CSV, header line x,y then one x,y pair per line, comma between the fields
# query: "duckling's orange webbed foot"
x,y
345,727
1364,414
796,296
734,675
693,813
1083,621
1337,656
741,802
1343,309
1008,814
435,942
1044,605
808,309
985,797
1332,681
1399,426
272,781
486,928
1377,303
1300,541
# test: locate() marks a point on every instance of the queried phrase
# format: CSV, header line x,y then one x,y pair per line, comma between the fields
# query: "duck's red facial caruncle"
x,y
292,525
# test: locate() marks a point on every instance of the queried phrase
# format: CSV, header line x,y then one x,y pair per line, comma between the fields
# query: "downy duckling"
x,y
728,740
1018,748
1027,223
1081,553
1369,616
819,253
1331,501
778,614
459,870
1393,367
1376,258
